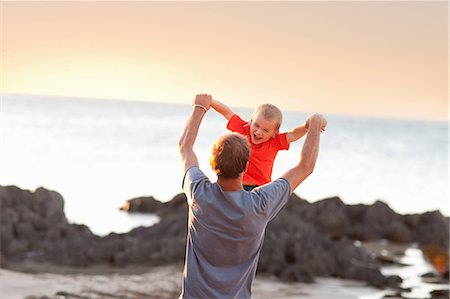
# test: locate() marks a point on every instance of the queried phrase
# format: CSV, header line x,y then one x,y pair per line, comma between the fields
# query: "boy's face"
x,y
262,129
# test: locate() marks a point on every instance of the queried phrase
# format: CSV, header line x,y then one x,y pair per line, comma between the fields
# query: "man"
x,y
226,224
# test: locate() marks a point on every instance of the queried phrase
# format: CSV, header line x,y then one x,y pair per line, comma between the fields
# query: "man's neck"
x,y
230,184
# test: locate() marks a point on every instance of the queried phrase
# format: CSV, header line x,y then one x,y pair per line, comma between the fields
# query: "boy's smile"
x,y
262,129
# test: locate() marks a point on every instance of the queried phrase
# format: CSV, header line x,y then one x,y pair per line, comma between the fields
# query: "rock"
x,y
445,275
433,230
296,273
381,217
428,275
178,204
399,232
363,232
331,217
304,241
16,248
440,294
142,205
295,250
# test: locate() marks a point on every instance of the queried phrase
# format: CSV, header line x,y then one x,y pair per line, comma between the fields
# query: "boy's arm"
x,y
300,131
190,132
297,133
308,156
222,109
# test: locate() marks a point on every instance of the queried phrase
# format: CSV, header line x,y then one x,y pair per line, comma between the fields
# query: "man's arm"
x,y
187,140
308,156
222,109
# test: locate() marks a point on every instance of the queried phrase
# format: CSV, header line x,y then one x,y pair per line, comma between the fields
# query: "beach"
x,y
132,282
162,282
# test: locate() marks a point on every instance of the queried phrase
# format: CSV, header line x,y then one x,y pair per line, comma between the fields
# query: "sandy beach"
x,y
163,282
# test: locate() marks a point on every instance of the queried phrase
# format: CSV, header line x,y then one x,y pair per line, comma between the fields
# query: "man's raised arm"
x,y
201,104
308,156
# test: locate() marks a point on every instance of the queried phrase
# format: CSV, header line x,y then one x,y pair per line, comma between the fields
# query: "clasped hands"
x,y
203,101
320,118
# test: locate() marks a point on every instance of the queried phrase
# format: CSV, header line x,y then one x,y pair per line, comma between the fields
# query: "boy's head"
x,y
230,155
265,123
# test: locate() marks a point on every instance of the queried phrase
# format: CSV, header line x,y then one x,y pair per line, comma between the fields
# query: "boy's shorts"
x,y
249,187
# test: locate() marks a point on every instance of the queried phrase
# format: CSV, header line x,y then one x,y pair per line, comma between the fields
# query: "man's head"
x,y
265,123
230,155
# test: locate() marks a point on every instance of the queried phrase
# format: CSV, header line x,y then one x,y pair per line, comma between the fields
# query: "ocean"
x,y
99,153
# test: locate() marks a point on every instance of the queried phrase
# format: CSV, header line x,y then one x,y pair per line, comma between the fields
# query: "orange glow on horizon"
x,y
366,58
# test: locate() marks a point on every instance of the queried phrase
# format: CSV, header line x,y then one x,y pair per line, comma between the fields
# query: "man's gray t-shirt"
x,y
225,235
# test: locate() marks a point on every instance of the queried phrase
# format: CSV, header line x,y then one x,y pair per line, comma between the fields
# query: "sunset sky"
x,y
385,59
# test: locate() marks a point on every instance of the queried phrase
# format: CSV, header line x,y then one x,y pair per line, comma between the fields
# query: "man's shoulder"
x,y
275,186
193,174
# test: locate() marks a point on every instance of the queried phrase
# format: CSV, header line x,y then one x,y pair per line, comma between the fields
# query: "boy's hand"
x,y
203,100
324,124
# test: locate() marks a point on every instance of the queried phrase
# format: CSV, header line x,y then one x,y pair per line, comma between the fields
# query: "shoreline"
x,y
39,280
165,282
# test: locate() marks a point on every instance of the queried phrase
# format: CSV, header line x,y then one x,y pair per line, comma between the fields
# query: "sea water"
x,y
99,153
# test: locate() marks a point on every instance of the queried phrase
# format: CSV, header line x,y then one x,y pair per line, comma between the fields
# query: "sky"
x,y
381,59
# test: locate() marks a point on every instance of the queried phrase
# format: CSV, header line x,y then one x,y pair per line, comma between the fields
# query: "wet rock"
x,y
428,275
440,294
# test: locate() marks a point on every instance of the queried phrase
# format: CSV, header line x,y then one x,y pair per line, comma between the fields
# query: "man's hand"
x,y
187,139
203,100
323,122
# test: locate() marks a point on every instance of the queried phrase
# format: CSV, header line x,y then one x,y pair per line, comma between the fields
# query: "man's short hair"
x,y
230,155
270,112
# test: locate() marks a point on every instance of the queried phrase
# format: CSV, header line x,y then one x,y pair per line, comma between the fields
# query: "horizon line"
x,y
177,102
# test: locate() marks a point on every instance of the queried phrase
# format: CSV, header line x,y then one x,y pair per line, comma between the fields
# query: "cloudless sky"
x,y
384,59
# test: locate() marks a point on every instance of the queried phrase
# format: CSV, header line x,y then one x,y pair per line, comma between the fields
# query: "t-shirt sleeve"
x,y
237,124
194,182
274,196
281,142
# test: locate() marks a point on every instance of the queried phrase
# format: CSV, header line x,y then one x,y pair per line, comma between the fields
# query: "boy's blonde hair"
x,y
230,155
270,112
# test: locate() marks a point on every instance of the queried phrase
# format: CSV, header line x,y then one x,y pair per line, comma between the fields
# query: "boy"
x,y
265,140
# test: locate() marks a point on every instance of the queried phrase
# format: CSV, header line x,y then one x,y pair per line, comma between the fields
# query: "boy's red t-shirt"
x,y
262,155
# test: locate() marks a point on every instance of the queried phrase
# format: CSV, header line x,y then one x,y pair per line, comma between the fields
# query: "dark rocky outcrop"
x,y
303,241
142,205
